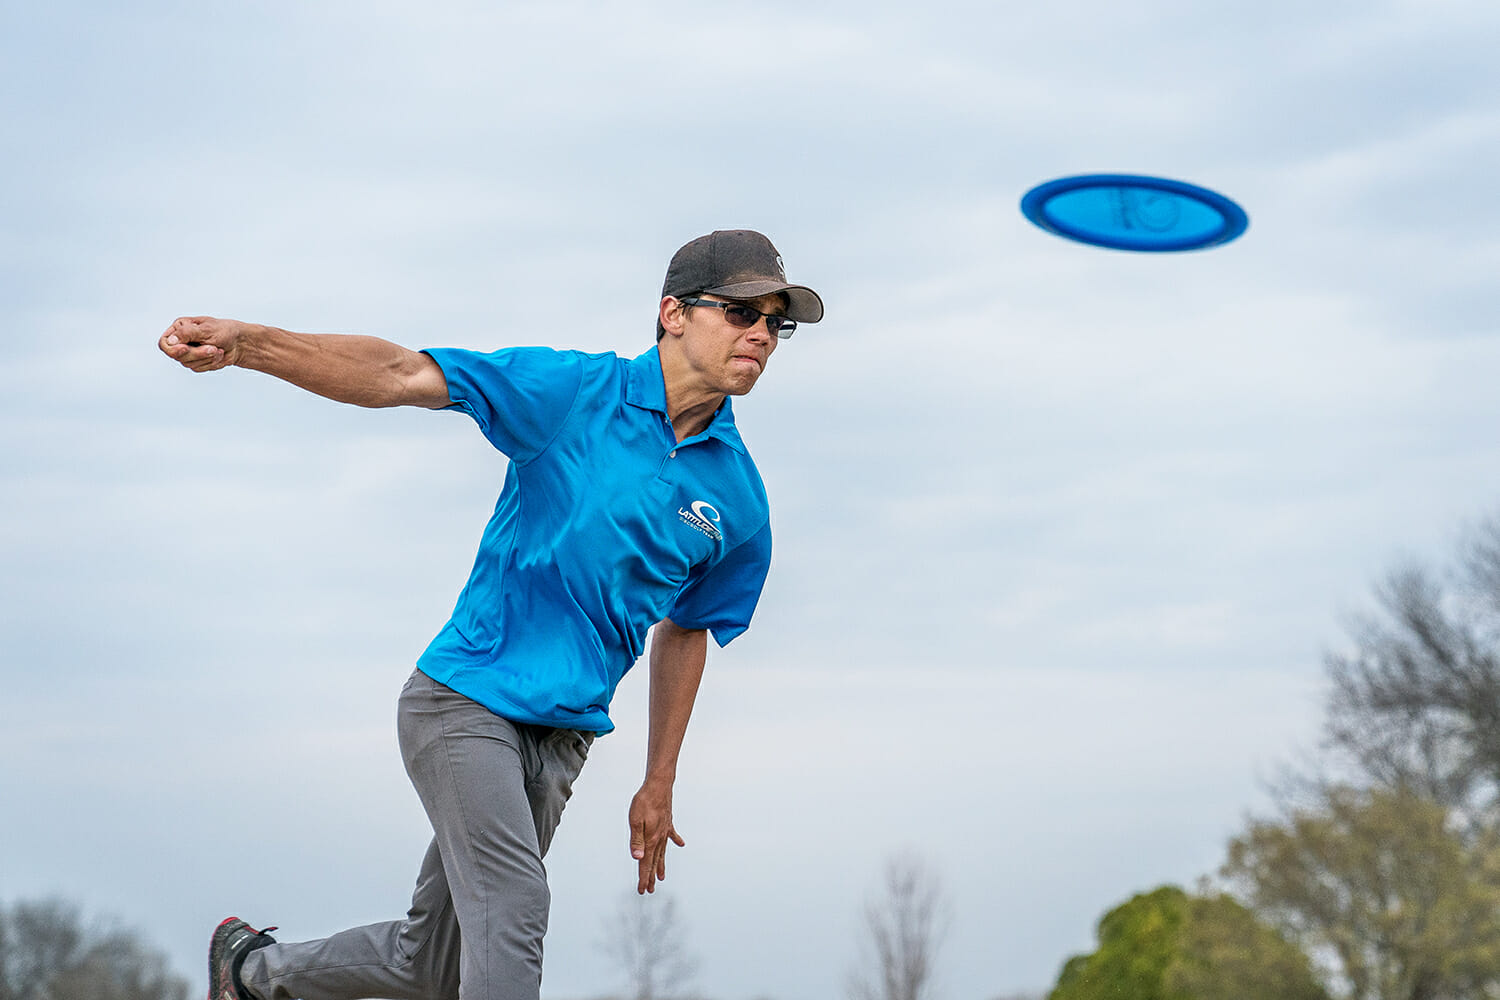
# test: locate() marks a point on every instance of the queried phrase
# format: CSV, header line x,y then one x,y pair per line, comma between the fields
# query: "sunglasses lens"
x,y
741,316
744,317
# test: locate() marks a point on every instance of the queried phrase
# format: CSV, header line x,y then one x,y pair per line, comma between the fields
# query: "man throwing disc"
x,y
630,503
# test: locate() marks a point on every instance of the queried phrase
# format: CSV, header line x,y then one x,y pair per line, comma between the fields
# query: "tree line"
x,y
1378,875
48,951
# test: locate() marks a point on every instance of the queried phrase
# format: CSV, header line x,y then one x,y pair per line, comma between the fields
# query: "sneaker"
x,y
232,941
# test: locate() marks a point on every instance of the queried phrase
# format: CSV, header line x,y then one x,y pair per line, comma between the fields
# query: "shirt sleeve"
x,y
721,596
519,396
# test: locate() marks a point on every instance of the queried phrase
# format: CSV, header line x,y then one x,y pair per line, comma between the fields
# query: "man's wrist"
x,y
250,345
660,778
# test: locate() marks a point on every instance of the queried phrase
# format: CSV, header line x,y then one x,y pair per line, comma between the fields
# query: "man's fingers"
x,y
659,865
203,359
651,859
199,357
198,343
185,329
651,831
172,343
637,839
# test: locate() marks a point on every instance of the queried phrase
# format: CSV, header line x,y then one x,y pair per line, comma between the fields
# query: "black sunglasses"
x,y
744,317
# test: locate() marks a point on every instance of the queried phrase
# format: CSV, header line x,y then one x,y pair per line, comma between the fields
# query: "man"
x,y
630,502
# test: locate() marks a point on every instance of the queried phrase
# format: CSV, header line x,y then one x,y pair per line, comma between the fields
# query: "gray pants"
x,y
494,791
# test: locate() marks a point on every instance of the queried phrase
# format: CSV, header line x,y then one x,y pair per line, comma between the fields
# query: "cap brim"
x,y
803,304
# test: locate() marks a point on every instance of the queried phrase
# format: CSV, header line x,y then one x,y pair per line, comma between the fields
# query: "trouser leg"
x,y
468,766
411,959
494,792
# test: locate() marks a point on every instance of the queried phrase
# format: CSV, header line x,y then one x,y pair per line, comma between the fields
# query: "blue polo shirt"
x,y
605,526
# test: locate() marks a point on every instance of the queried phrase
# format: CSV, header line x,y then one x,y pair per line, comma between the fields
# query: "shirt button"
x,y
673,455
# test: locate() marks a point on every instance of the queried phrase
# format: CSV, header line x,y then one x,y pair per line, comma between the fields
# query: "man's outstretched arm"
x,y
677,658
365,371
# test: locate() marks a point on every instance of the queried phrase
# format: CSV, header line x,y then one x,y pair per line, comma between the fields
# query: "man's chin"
x,y
743,383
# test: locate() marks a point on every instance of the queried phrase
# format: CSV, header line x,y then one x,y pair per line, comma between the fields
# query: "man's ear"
x,y
670,315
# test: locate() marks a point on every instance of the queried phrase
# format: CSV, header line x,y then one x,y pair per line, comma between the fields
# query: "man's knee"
x,y
530,903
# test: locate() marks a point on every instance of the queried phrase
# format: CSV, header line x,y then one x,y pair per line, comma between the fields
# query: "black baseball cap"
x,y
738,264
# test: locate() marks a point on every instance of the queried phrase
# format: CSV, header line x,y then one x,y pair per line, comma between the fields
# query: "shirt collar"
x,y
646,387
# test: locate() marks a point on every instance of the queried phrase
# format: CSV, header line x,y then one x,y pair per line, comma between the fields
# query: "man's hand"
x,y
650,829
202,343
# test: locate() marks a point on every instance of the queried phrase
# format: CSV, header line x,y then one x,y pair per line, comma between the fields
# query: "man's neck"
x,y
691,413
691,405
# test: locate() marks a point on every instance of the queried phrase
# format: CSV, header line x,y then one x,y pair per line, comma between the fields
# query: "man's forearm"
x,y
677,657
364,371
677,660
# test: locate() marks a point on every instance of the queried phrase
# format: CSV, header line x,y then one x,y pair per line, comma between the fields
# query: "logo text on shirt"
x,y
701,516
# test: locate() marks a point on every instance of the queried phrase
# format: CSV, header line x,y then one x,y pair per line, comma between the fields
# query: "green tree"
x,y
48,953
1402,900
1169,945
1230,954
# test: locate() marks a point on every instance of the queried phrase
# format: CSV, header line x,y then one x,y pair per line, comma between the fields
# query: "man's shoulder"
x,y
600,371
534,365
538,353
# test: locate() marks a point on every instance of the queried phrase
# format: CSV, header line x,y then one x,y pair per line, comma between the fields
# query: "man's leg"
x,y
555,757
447,741
411,959
470,769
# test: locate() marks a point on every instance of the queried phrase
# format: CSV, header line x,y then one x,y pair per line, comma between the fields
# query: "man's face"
x,y
730,358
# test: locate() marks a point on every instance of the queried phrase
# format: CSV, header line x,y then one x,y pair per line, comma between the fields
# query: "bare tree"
x,y
1417,703
48,953
904,930
645,938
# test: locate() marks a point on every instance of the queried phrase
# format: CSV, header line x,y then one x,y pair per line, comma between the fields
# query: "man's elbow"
x,y
421,383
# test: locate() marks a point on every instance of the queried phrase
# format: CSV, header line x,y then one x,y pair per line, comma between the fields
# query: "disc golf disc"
x,y
1134,212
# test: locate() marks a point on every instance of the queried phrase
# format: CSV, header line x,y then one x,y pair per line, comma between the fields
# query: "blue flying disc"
x,y
1130,212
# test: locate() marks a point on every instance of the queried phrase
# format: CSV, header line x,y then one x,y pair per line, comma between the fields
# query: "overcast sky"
x,y
1062,533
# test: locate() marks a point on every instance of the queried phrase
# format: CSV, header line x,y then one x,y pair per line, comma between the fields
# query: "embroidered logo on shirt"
x,y
701,517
